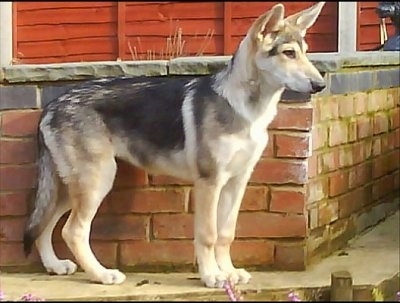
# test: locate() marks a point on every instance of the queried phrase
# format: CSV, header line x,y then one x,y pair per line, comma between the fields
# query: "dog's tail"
x,y
46,196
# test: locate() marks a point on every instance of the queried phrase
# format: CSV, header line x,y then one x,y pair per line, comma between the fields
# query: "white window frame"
x,y
347,27
6,33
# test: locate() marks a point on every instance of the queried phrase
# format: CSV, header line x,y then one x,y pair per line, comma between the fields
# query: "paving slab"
x,y
373,259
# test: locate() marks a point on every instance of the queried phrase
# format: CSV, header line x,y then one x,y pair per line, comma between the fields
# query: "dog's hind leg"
x,y
206,194
88,186
228,209
44,242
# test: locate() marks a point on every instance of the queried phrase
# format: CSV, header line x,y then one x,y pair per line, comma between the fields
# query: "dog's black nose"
x,y
317,86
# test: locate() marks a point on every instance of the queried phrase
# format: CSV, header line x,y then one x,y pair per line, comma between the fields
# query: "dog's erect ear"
x,y
267,23
306,18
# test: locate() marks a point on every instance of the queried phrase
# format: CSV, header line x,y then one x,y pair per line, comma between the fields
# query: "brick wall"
x,y
330,170
355,166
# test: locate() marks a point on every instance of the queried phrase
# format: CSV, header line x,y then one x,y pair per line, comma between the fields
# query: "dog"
x,y
210,130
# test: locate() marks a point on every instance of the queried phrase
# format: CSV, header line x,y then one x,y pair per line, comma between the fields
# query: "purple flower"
x,y
293,297
30,297
398,296
2,296
230,291
233,294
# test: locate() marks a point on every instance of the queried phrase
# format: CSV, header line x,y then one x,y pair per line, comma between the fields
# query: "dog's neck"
x,y
248,92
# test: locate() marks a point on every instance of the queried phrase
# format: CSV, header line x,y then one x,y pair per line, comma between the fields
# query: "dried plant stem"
x,y
174,46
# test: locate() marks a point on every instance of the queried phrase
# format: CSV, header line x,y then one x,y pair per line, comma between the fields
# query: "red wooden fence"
x,y
368,36
49,32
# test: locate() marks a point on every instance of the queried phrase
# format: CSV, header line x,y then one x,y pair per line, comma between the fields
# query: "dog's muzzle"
x,y
317,86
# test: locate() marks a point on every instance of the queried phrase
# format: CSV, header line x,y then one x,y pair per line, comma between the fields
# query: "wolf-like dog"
x,y
210,130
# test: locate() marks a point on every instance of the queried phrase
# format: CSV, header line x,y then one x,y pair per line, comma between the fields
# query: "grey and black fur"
x,y
210,130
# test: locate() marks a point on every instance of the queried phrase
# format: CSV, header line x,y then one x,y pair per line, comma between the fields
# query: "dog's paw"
x,y
62,267
216,280
240,275
111,276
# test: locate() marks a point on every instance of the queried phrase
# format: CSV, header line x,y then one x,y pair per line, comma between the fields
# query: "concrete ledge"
x,y
80,71
372,259
325,62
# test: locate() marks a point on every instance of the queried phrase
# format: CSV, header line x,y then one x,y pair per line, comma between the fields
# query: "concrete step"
x,y
373,259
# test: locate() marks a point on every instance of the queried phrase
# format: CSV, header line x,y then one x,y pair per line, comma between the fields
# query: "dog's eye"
x,y
289,53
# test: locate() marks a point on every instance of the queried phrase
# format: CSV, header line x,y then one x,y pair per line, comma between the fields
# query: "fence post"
x,y
7,32
121,21
341,286
227,27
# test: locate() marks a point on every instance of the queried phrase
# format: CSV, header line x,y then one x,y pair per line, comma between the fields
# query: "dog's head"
x,y
277,49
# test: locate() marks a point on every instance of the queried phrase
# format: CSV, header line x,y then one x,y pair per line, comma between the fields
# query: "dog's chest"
x,y
238,152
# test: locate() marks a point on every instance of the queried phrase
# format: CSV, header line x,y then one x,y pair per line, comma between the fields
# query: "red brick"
x,y
358,152
353,201
381,123
338,183
330,160
346,156
328,212
129,176
270,225
376,146
394,118
255,198
385,147
364,173
364,127
105,252
391,140
20,123
397,138
394,161
269,149
156,252
319,136
12,229
13,254
292,146
298,118
272,171
329,109
316,106
252,252
382,187
173,226
317,189
352,130
167,180
381,165
346,106
17,151
396,180
312,163
287,201
14,204
360,103
291,256
338,133
124,227
18,177
375,100
313,218
394,93
147,200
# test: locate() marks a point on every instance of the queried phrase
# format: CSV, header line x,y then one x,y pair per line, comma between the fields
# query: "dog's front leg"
x,y
205,231
228,210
